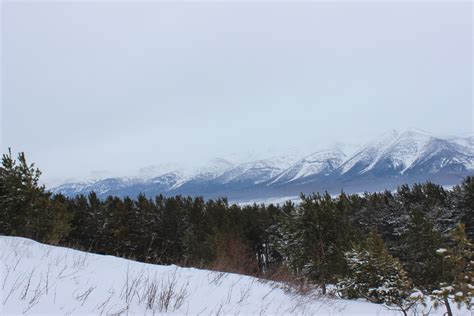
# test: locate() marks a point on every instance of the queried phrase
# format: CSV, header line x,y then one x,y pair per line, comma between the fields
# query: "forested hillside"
x,y
378,246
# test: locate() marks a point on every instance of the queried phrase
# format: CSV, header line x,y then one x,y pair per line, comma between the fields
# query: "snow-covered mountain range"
x,y
383,163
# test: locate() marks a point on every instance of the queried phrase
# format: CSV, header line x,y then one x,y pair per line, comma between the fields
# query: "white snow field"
x,y
38,279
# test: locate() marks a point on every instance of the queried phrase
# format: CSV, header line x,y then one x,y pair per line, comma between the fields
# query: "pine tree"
x,y
148,221
196,233
315,236
463,196
286,237
457,272
58,222
376,276
418,250
19,195
25,208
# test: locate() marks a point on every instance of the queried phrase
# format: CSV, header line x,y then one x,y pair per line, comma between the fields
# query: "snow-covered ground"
x,y
38,279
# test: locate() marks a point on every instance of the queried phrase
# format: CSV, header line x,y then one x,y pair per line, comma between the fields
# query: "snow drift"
x,y
41,279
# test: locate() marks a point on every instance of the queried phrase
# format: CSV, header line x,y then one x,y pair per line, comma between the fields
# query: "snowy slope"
x,y
165,179
101,187
362,159
398,154
319,163
207,172
39,279
403,151
466,146
257,171
466,141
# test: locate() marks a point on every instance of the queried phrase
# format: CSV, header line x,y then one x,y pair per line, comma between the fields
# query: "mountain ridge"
x,y
383,163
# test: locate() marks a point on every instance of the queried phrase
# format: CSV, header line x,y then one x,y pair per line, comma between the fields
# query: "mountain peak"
x,y
391,133
415,132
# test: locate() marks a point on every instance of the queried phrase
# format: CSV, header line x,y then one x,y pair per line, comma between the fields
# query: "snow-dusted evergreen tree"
x,y
418,250
18,187
313,237
463,198
375,275
286,237
457,272
26,209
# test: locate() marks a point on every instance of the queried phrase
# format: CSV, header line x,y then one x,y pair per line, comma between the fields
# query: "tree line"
x,y
382,246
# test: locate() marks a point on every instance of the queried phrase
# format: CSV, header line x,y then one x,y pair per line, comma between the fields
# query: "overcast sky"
x,y
116,86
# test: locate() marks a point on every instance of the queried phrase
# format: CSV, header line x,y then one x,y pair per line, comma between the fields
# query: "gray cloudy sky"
x,y
116,86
